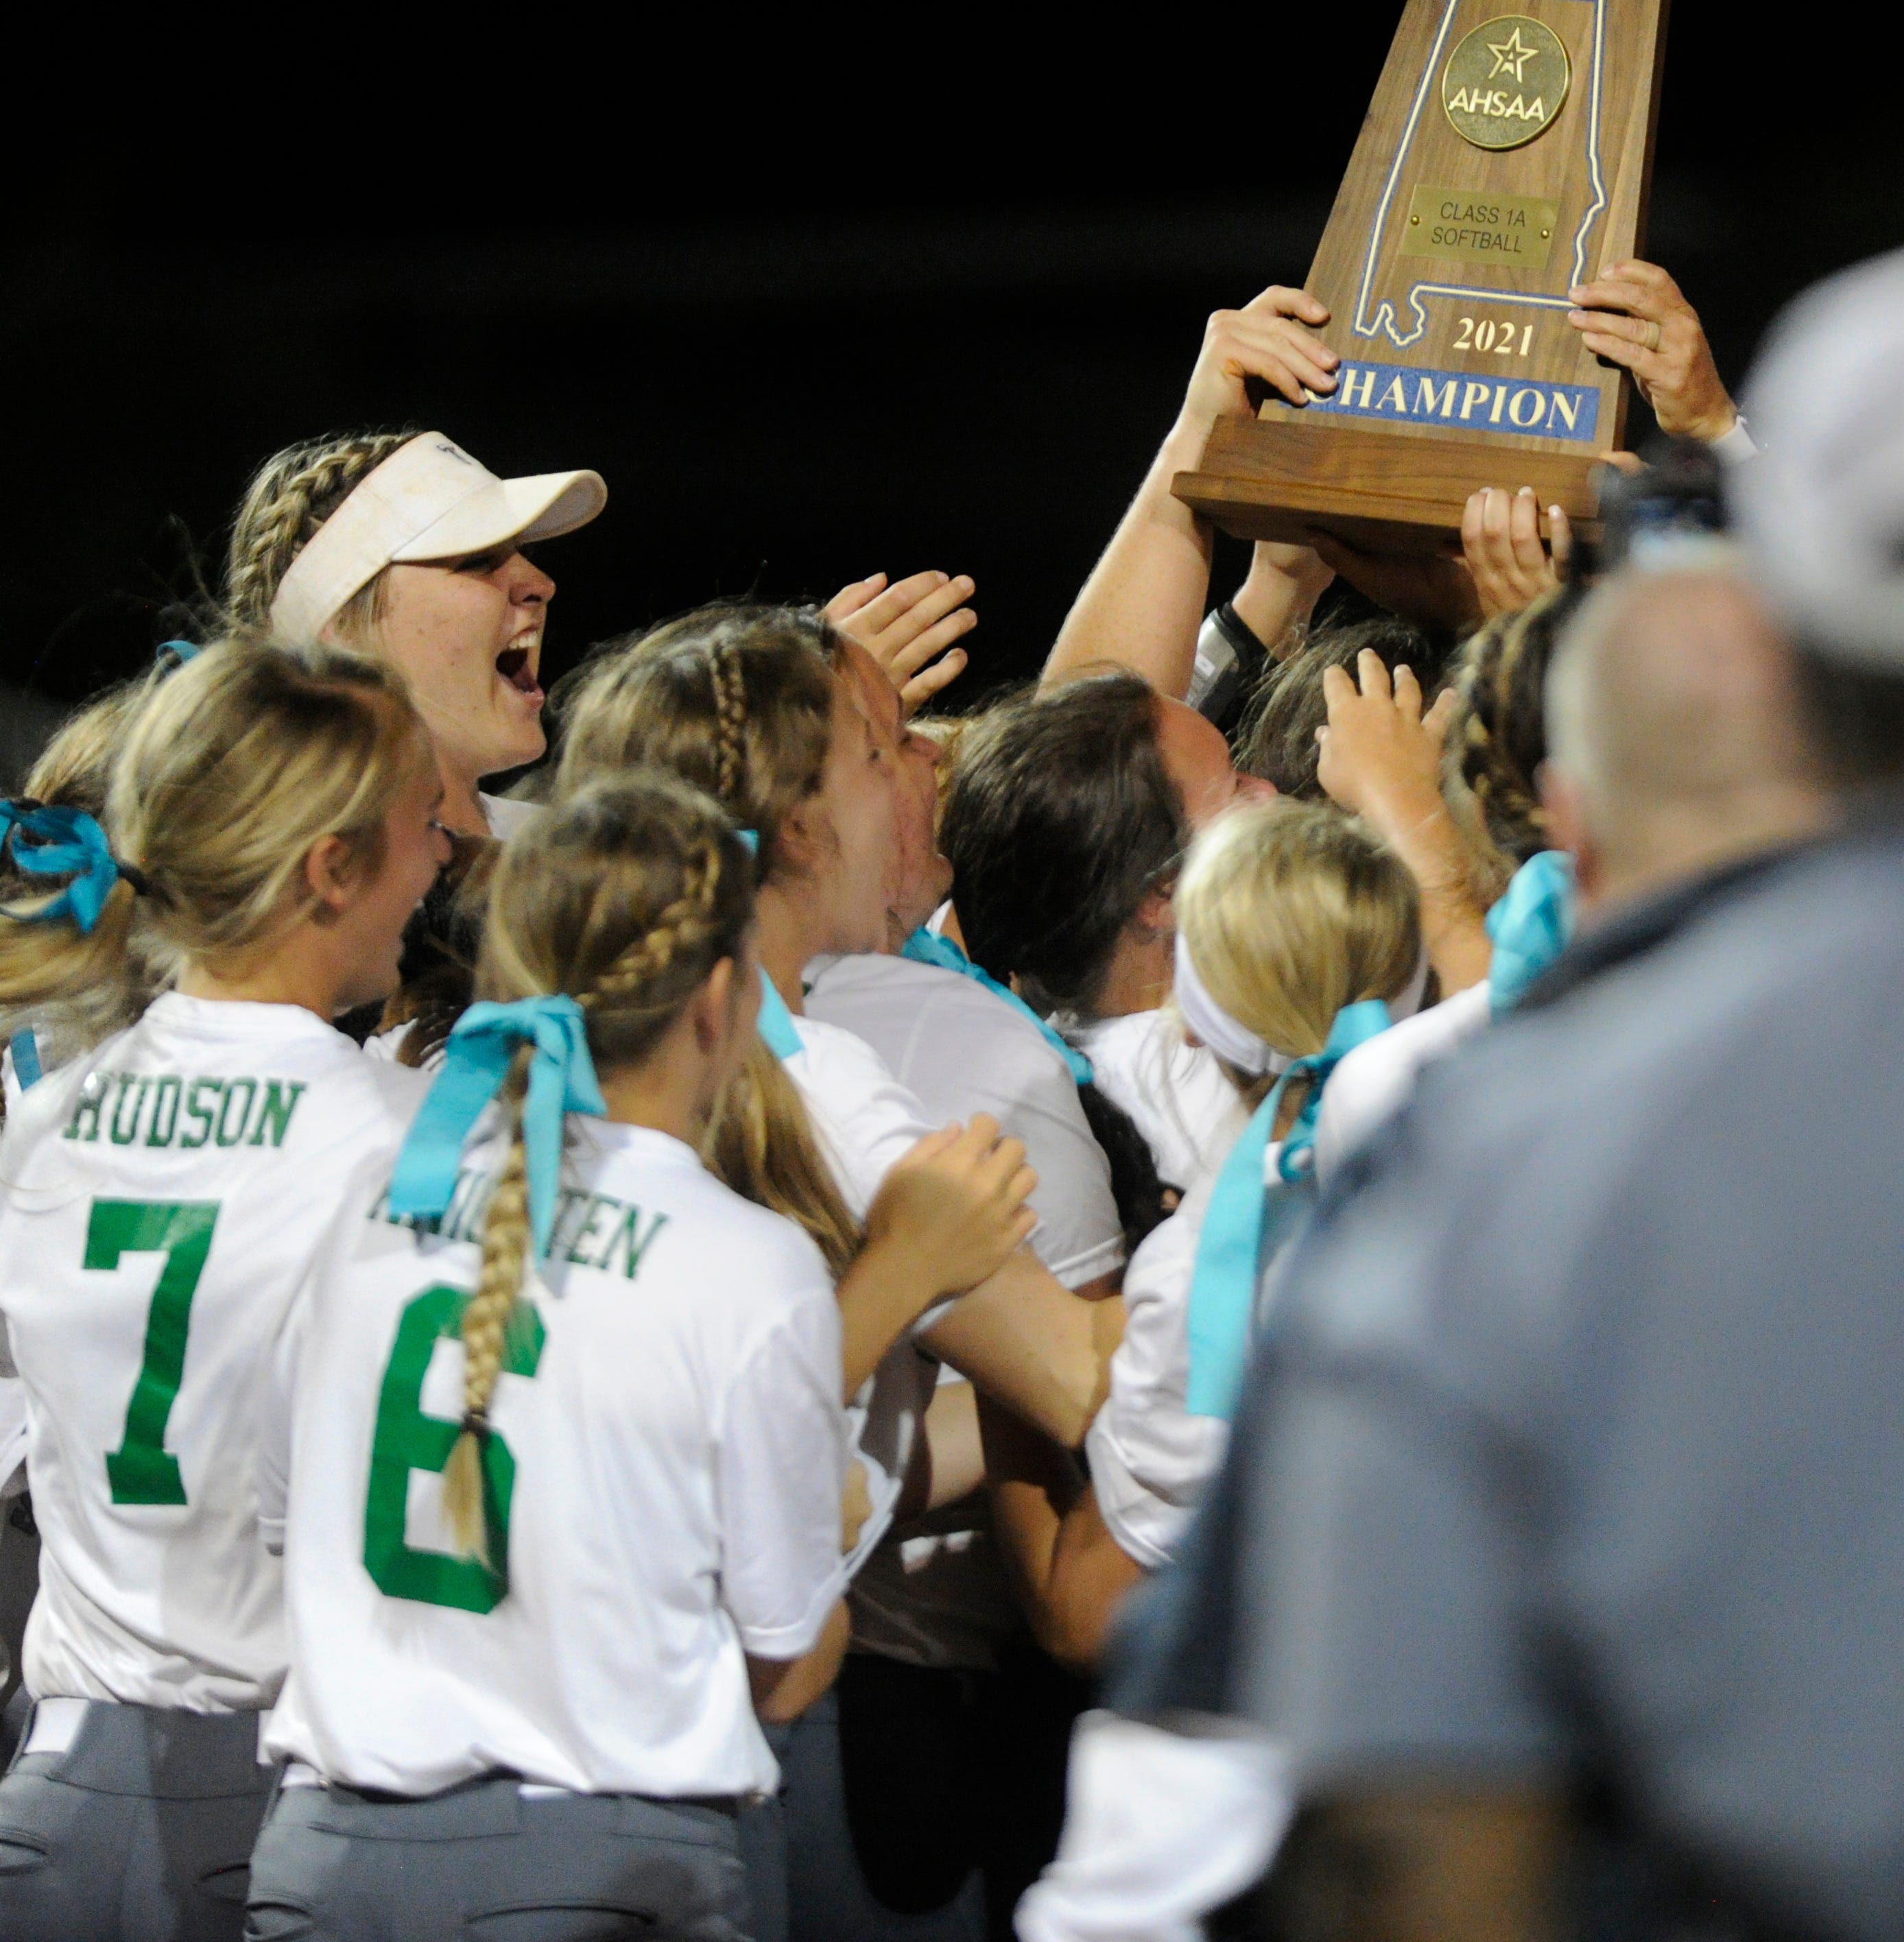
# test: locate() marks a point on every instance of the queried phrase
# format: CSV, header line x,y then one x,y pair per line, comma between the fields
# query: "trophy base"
x,y
1283,479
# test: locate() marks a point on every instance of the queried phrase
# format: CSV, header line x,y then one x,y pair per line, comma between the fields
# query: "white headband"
x,y
1234,1042
429,499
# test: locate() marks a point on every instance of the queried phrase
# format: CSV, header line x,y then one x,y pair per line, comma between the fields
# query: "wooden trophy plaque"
x,y
1505,158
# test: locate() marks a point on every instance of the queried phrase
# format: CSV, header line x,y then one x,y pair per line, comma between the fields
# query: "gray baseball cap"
x,y
1820,509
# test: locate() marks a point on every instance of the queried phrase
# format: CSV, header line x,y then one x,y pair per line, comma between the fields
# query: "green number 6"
x,y
405,1439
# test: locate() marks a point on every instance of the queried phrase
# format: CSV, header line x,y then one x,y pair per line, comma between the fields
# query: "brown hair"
x,y
1277,738
1499,739
1060,819
625,897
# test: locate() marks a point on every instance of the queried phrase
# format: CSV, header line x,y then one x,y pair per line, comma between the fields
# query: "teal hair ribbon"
x,y
775,1023
925,947
26,1049
66,842
1249,1220
181,651
561,1080
1530,926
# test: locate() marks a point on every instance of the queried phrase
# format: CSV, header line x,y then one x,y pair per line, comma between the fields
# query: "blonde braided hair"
x,y
289,497
486,1316
625,897
738,700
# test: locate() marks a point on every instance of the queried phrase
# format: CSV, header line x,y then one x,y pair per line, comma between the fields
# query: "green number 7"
x,y
141,1471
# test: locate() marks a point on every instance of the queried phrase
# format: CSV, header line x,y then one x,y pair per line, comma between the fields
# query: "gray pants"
x,y
141,1831
480,1860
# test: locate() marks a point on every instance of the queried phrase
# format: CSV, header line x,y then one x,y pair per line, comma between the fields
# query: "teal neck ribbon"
x,y
1530,926
775,1023
925,947
26,1049
1249,1220
561,1080
64,842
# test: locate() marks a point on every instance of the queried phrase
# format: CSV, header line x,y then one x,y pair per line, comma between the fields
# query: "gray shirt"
x,y
1580,1450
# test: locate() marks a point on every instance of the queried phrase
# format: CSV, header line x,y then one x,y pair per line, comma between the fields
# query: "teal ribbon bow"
x,y
176,653
1249,1220
65,842
1530,926
924,947
561,1080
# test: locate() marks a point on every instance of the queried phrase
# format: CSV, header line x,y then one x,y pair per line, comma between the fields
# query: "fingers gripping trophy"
x,y
1476,286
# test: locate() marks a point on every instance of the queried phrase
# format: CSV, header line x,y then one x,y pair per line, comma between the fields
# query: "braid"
x,y
292,495
486,1323
1503,736
677,925
730,720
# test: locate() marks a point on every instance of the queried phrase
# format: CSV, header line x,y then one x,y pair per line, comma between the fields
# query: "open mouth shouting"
x,y
516,670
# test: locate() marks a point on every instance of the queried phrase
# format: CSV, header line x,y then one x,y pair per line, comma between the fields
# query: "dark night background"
x,y
894,310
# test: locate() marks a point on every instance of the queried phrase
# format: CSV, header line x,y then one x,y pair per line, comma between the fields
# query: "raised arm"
x,y
1144,602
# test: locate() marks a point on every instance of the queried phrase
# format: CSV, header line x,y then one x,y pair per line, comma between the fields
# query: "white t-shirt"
x,y
960,1050
676,1450
1150,1459
1376,1078
1188,1112
865,1121
163,1198
505,815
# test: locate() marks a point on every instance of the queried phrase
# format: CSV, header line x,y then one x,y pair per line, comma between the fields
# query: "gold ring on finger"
x,y
1651,339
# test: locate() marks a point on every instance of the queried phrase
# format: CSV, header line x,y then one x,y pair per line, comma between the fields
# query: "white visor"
x,y
429,499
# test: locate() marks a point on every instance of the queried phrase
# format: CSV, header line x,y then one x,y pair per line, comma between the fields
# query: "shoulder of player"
x,y
730,1240
997,1043
45,1107
826,1048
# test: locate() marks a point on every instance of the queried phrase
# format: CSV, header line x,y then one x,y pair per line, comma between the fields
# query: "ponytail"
x,y
762,1146
486,1317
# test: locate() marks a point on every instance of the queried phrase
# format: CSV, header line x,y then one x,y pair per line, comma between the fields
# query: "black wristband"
x,y
1250,652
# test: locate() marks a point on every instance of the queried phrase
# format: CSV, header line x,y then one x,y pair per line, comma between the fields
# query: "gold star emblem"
x,y
1513,53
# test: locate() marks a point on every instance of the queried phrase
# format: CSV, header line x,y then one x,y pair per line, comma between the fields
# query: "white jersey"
x,y
961,1050
1188,1112
1374,1081
163,1198
666,1464
1150,1459
865,1121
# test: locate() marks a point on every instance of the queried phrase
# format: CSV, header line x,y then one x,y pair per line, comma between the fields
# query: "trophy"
x,y
1506,157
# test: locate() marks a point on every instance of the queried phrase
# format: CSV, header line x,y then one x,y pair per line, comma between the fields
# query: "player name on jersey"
x,y
175,1109
593,1230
